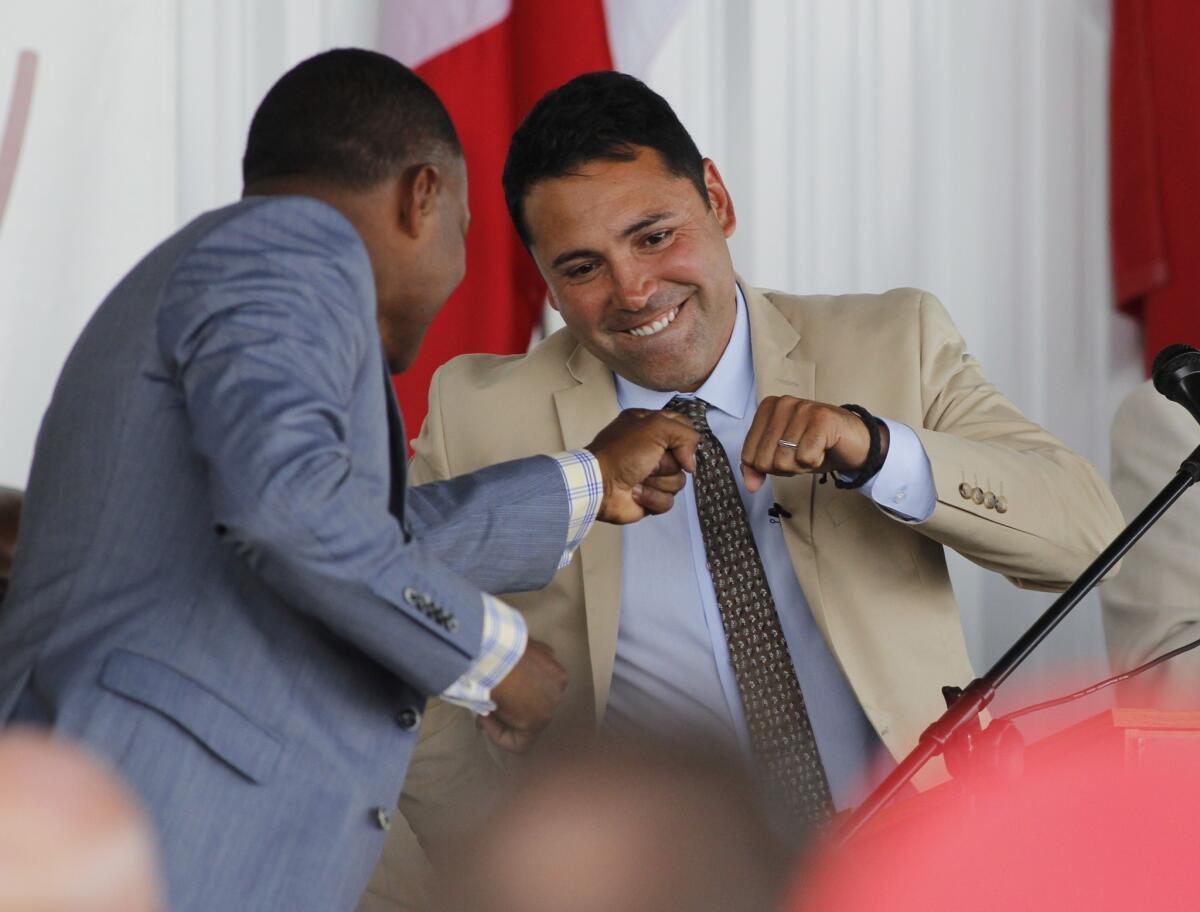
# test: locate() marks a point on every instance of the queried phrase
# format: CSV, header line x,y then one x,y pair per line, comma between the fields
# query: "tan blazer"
x,y
1154,605
878,587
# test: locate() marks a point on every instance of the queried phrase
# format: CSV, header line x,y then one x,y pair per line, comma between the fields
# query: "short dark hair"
x,y
602,115
348,116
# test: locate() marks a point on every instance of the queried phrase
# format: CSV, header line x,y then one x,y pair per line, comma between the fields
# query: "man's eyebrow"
x,y
640,225
568,255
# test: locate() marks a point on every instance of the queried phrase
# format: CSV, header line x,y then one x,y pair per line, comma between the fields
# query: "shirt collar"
x,y
727,388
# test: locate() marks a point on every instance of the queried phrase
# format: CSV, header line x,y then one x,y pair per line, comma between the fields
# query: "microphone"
x,y
1176,374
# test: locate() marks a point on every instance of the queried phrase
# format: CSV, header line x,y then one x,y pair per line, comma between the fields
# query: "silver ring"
x,y
788,443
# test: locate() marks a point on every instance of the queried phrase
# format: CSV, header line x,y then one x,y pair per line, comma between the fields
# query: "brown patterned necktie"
x,y
780,732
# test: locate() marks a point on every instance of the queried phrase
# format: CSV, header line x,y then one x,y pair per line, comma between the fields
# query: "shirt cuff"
x,y
504,639
581,475
904,484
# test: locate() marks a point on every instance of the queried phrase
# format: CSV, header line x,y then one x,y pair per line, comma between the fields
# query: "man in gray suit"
x,y
223,585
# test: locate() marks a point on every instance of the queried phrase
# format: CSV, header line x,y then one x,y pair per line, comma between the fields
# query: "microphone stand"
x,y
962,716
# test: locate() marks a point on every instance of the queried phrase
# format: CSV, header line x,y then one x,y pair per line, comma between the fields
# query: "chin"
x,y
671,383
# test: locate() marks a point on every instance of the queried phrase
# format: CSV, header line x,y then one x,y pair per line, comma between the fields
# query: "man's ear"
x,y
417,197
719,198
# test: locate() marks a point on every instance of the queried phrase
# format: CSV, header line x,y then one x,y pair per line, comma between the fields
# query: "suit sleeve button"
x,y
1001,504
411,595
383,819
452,625
989,500
965,490
408,718
977,495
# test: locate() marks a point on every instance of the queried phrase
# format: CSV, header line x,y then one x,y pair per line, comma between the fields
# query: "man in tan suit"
x,y
629,228
1152,607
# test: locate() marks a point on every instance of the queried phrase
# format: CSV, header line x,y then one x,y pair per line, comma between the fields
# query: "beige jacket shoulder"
x,y
878,587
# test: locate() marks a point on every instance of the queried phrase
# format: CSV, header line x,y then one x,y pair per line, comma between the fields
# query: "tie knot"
x,y
690,407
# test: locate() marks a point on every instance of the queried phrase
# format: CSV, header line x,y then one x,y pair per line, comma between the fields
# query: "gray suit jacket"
x,y
211,590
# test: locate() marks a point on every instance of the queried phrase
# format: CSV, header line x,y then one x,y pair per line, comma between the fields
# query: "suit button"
x,y
1001,504
989,500
977,495
965,490
383,819
408,718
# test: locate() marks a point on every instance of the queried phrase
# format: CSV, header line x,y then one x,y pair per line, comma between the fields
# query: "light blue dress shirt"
x,y
672,668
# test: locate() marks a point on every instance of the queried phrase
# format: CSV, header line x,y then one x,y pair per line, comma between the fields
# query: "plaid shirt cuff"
x,y
581,475
504,639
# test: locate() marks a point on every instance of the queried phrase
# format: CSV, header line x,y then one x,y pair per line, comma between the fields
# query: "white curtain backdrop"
x,y
955,145
139,116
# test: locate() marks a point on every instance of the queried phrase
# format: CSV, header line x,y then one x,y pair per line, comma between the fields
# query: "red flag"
x,y
1155,132
488,82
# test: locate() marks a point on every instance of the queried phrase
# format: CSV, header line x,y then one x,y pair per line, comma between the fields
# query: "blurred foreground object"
x,y
1152,606
630,828
1108,820
10,518
72,838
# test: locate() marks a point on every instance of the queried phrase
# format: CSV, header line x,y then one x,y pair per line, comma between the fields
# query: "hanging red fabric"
x,y
1155,149
488,83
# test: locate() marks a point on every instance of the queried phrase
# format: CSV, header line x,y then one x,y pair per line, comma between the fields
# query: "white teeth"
x,y
657,326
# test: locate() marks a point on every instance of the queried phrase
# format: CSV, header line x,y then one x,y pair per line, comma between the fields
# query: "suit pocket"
x,y
210,719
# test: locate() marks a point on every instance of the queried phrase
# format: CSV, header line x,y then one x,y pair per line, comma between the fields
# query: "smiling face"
x,y
638,266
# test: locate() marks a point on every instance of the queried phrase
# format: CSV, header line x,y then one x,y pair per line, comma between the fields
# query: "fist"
x,y
827,438
643,455
525,699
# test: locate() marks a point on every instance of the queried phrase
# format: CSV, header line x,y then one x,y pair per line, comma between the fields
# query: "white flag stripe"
x,y
414,31
636,30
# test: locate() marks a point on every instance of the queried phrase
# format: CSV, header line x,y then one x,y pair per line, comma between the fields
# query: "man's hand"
x,y
525,699
642,456
827,438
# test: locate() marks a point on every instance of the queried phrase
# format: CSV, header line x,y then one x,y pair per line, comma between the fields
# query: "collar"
x,y
727,388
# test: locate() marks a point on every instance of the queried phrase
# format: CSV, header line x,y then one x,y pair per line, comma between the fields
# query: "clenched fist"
x,y
525,699
643,455
827,438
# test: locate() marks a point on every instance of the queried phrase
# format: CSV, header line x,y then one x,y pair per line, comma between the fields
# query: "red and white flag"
x,y
489,61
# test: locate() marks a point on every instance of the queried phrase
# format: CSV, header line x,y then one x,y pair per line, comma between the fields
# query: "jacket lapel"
x,y
397,453
583,410
781,370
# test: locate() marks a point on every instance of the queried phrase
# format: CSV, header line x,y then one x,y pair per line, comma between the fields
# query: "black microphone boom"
x,y
1176,374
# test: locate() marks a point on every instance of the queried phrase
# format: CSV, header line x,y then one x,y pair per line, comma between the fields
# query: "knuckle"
x,y
811,460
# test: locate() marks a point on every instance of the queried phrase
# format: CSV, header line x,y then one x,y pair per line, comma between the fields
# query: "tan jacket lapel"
x,y
582,410
780,370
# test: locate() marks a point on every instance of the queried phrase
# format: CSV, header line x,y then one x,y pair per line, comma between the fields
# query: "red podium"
x,y
1104,817
1124,742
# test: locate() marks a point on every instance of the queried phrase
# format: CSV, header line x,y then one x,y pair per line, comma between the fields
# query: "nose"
x,y
633,285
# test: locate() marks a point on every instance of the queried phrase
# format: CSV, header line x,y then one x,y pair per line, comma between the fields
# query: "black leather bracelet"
x,y
874,461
